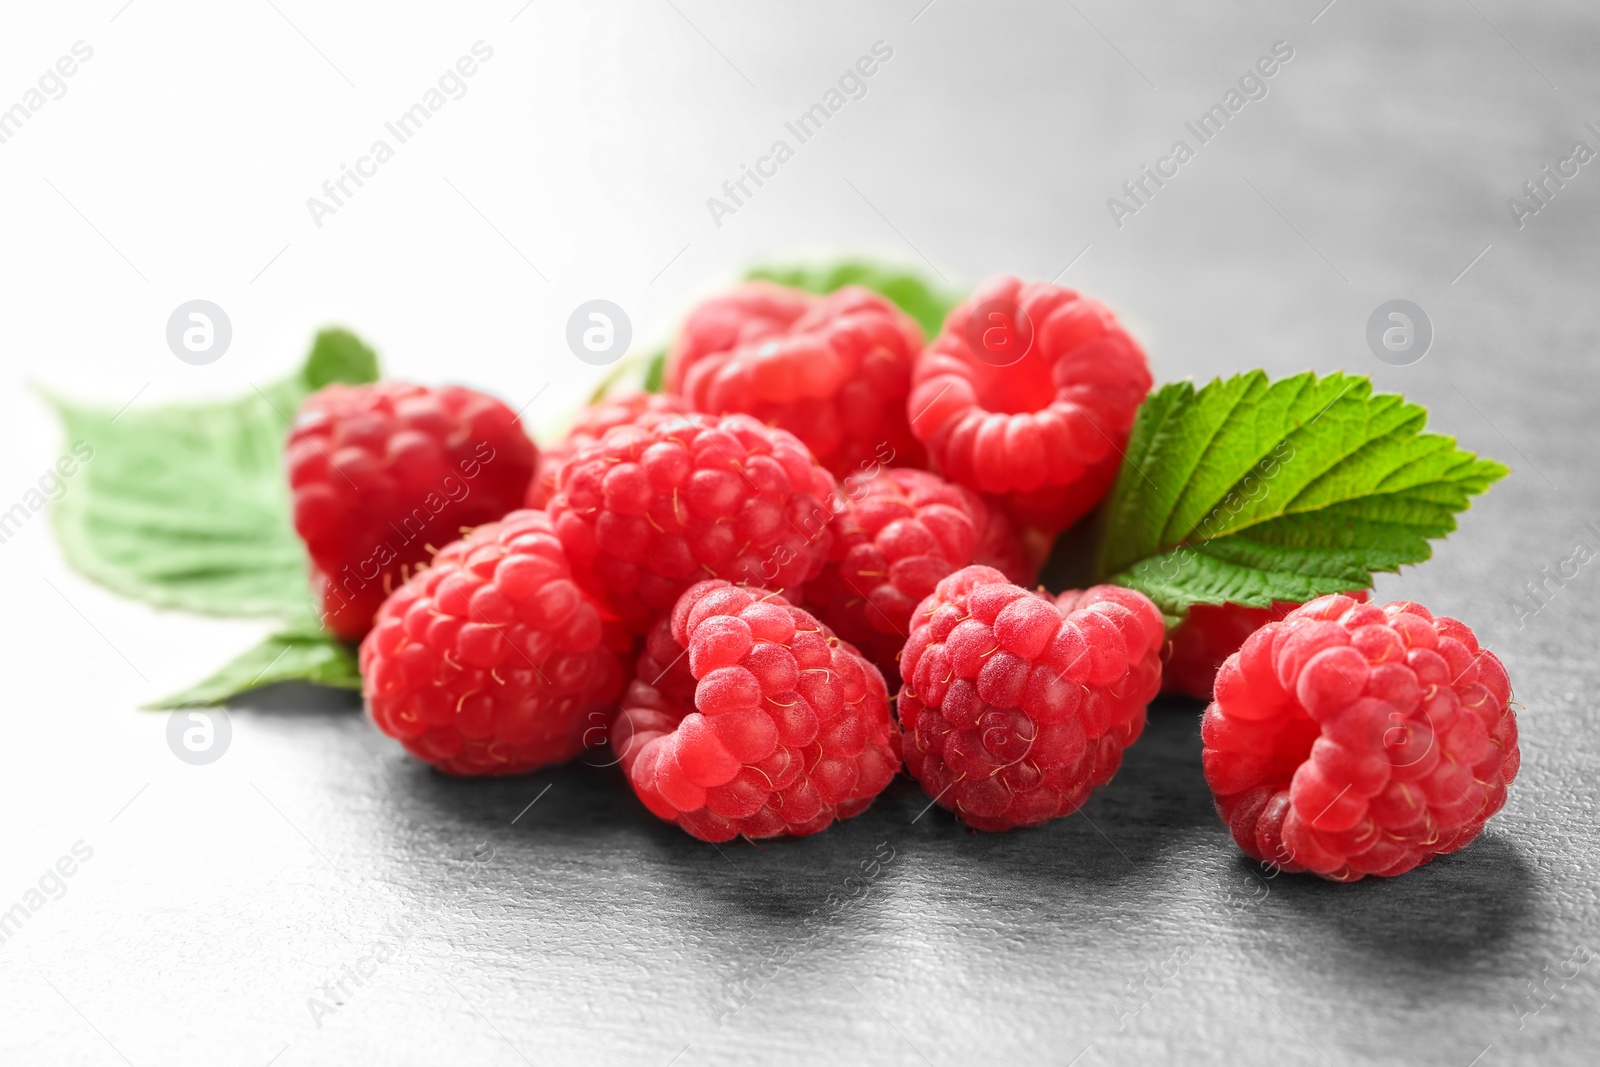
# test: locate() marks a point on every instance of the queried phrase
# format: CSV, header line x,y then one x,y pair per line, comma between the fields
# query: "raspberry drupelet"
x,y
1029,393
1015,706
591,425
1351,739
898,534
1209,634
748,717
383,474
833,370
491,660
652,509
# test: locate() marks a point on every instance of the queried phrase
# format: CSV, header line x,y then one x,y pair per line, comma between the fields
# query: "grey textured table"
x,y
316,897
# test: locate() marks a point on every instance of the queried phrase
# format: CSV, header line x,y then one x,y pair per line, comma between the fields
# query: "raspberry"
x,y
899,533
1351,739
591,426
1044,430
748,716
1016,706
490,661
1002,546
1209,634
382,474
653,509
832,370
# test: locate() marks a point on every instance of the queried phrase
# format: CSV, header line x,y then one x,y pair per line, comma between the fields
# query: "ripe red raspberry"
x,y
490,661
832,370
898,534
383,474
653,509
1352,740
749,717
1209,634
1016,706
591,426
1045,429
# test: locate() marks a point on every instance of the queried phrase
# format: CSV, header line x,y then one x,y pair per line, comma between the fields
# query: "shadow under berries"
x,y
572,802
295,699
1456,913
1159,796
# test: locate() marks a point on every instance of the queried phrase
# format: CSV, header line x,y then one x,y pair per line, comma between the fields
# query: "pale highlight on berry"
x,y
1351,740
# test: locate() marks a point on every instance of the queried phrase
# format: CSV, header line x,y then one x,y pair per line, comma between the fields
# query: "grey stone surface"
x,y
222,901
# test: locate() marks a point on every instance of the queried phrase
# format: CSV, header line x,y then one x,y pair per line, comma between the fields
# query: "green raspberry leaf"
x,y
339,356
646,372
1249,490
304,653
185,506
655,374
910,291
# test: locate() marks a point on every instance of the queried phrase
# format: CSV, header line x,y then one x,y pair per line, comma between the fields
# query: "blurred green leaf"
x,y
655,373
910,291
302,654
185,505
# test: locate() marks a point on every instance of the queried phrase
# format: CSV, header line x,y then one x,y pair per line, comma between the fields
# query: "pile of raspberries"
x,y
811,562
